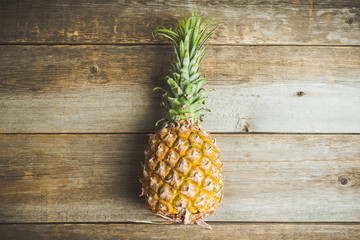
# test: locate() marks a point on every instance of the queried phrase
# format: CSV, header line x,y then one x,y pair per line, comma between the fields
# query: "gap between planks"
x,y
169,44
214,133
167,223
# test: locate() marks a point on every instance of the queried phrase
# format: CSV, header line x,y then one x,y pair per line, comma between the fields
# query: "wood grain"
x,y
282,66
109,88
241,231
244,22
94,178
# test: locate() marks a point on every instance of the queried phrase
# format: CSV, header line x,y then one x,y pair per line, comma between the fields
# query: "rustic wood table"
x,y
76,105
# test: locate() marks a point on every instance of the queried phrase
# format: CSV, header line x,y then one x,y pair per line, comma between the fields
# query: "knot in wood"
x,y
300,94
343,180
349,21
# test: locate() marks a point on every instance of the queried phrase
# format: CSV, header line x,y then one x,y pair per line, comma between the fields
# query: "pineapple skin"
x,y
182,179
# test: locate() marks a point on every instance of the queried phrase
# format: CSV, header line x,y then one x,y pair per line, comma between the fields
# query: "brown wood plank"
x,y
94,178
109,88
244,22
241,231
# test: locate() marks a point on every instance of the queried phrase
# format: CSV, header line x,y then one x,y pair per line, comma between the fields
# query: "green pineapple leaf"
x,y
186,96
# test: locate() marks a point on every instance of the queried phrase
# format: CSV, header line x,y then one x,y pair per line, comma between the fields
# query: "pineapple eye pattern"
x,y
183,177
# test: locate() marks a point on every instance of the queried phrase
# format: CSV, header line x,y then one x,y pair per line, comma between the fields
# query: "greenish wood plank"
x,y
110,88
94,178
244,22
240,231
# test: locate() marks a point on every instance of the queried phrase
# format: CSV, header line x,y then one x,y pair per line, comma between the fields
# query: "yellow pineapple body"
x,y
182,179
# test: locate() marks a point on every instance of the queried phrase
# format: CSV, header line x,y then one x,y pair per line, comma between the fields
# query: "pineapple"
x,y
182,179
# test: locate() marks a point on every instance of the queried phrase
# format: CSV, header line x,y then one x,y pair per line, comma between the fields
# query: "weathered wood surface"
x,y
102,83
109,88
241,231
94,178
244,22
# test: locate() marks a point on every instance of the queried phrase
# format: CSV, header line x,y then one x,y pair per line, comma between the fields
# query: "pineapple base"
x,y
182,179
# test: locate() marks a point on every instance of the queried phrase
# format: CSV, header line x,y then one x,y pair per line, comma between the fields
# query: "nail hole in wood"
x,y
343,180
300,94
245,128
94,70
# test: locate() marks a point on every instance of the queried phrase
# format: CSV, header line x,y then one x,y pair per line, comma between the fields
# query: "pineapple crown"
x,y
185,96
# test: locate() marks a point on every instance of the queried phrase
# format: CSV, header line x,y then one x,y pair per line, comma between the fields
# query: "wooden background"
x,y
76,105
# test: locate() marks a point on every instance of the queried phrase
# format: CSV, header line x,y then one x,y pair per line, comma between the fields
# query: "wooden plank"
x,y
109,88
244,22
241,231
94,178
